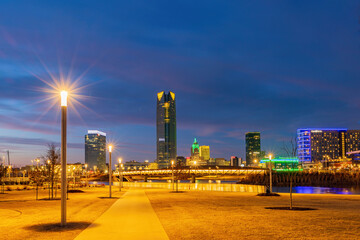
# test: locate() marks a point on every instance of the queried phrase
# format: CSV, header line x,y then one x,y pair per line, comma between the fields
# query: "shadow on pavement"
x,y
109,198
56,227
293,209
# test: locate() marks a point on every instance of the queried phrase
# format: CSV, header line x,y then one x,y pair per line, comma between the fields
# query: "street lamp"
x,y
172,173
86,166
110,173
64,96
270,156
120,174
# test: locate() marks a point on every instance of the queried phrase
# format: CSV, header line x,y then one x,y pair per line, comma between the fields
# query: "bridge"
x,y
192,172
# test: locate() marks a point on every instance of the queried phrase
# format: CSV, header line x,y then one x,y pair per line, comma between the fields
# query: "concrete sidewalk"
x,y
130,217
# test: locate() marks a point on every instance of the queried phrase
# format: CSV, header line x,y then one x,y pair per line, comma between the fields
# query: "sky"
x,y
235,67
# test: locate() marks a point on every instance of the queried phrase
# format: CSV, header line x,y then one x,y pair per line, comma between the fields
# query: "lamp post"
x,y
120,174
110,172
172,174
86,174
64,96
270,173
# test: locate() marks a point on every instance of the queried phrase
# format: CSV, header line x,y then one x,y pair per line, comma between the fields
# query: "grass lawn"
x,y
226,215
22,217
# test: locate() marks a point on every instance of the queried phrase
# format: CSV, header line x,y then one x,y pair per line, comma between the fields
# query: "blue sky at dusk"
x,y
235,66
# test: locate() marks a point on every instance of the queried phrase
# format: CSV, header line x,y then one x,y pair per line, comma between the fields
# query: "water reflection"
x,y
230,186
221,187
318,190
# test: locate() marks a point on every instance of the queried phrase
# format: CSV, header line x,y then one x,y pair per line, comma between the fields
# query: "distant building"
x,y
165,129
135,165
323,144
195,150
95,150
253,147
282,164
180,160
196,159
204,153
221,162
234,161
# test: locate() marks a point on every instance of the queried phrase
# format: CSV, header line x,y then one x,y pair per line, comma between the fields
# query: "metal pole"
x,y
172,176
110,174
119,179
270,177
63,164
121,176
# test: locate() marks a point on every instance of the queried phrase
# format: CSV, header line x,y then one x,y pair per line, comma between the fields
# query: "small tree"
x,y
290,148
51,159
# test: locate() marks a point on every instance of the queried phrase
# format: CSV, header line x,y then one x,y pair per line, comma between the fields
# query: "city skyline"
x,y
253,84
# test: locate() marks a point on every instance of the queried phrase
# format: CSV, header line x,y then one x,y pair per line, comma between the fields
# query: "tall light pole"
x,y
86,174
120,174
110,172
270,173
64,96
172,174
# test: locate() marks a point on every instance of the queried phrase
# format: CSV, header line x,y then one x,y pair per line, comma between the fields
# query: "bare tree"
x,y
290,147
51,159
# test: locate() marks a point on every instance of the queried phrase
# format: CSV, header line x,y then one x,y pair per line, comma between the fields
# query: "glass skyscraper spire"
x,y
165,129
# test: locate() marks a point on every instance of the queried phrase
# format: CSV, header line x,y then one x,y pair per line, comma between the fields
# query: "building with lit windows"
x,y
165,129
204,153
234,161
253,147
324,144
95,150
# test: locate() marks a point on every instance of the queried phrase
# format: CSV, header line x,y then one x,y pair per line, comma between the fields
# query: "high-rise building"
x,y
318,144
195,149
95,150
253,147
204,152
234,161
165,129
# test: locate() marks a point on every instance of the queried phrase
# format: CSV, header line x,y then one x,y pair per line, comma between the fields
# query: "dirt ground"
x,y
22,217
226,215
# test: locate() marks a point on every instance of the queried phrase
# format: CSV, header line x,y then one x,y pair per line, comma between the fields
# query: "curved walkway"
x,y
130,217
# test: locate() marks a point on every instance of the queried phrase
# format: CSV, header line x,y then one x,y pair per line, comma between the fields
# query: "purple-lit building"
x,y
321,144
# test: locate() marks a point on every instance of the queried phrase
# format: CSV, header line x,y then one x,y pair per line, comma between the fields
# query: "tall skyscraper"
x,y
165,129
317,144
253,147
95,150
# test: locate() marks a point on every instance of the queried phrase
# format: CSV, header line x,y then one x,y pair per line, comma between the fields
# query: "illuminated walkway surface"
x,y
130,217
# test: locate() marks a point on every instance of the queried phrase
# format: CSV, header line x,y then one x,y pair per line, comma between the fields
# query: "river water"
x,y
231,186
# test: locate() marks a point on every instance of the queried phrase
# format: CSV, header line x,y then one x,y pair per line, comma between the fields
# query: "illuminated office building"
x,y
95,150
195,149
234,161
253,148
165,129
321,144
204,152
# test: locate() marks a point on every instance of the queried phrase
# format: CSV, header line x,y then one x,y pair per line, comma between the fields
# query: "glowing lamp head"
x,y
120,160
64,96
270,156
110,148
172,162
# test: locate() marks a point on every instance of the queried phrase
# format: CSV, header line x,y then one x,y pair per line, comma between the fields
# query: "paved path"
x,y
130,217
